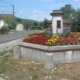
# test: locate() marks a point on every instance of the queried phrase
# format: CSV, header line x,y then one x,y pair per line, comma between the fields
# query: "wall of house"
x,y
54,24
1,23
19,27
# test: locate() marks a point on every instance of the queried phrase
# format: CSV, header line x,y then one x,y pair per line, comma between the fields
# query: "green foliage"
x,y
18,19
2,53
45,23
78,16
10,23
4,29
48,34
75,29
2,62
68,11
6,51
26,25
65,34
71,13
34,76
35,24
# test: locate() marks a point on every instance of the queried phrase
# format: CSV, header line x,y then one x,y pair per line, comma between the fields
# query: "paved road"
x,y
17,35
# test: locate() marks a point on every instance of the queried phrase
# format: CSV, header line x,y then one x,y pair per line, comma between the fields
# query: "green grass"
x,y
3,52
2,62
34,76
6,51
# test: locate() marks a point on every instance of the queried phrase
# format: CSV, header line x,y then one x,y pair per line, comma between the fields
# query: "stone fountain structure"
x,y
57,21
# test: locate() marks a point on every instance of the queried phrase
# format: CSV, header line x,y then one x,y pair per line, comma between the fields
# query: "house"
x,y
19,27
2,17
66,22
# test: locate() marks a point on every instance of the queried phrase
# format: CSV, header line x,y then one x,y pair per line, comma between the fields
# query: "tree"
x,y
69,12
45,23
35,24
26,25
18,19
4,30
10,23
78,16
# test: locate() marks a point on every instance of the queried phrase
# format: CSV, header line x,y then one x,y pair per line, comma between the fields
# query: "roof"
x,y
65,21
2,16
56,12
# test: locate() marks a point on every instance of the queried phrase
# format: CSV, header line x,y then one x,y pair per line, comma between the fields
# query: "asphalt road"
x,y
17,35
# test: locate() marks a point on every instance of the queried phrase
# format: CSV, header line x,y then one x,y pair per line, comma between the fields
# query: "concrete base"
x,y
48,58
49,63
17,52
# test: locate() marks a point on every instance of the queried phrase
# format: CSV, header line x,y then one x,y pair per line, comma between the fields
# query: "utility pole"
x,y
13,9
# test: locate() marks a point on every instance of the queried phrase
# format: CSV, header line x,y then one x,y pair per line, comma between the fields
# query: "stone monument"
x,y
57,21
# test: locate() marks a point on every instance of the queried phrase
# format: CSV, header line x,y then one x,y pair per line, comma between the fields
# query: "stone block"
x,y
17,52
49,63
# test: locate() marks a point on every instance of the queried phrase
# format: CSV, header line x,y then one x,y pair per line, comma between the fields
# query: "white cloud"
x,y
76,0
46,0
40,12
40,16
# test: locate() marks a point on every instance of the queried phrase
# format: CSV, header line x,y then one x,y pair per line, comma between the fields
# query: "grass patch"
x,y
3,53
14,69
34,76
6,51
2,62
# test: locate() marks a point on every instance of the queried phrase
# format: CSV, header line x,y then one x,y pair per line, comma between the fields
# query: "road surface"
x,y
17,35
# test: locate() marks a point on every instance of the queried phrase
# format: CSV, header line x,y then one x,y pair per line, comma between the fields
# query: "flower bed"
x,y
48,48
41,38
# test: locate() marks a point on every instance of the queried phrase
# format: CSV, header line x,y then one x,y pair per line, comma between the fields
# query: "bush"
x,y
4,30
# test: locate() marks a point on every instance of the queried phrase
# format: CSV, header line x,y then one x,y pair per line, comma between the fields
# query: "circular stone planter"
x,y
59,54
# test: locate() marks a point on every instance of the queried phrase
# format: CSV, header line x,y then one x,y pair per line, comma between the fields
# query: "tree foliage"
x,y
45,23
18,19
10,23
69,11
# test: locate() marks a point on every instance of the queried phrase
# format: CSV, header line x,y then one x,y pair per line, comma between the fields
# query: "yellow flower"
x,y
79,38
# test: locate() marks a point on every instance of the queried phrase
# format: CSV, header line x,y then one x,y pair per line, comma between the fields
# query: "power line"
x,y
9,4
4,6
6,2
18,12
12,8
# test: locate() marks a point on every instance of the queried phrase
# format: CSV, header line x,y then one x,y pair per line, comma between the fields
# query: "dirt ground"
x,y
23,69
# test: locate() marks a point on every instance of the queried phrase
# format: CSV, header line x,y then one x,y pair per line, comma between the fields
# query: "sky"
x,y
35,9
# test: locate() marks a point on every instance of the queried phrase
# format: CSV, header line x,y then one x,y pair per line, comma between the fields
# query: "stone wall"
x,y
49,55
61,54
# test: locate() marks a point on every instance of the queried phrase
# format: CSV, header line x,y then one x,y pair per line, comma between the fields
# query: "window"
x,y
58,24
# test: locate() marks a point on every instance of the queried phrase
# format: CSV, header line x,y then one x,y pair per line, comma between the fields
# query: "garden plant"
x,y
53,39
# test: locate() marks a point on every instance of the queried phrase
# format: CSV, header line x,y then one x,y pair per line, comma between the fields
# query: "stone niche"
x,y
57,21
